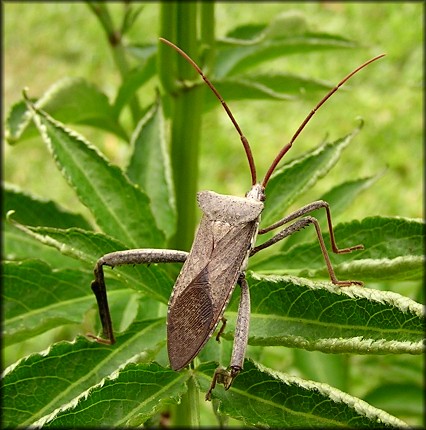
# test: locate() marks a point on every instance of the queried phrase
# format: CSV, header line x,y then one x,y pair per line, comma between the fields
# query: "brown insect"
x,y
218,259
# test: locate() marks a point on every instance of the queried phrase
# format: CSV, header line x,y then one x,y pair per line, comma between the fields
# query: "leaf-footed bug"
x,y
218,258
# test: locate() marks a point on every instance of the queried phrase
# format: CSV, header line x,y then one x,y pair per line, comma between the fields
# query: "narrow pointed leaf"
x,y
126,399
41,383
18,246
134,79
295,312
277,86
29,209
149,167
130,16
35,211
18,123
287,401
120,208
285,24
88,247
71,101
294,178
236,55
36,299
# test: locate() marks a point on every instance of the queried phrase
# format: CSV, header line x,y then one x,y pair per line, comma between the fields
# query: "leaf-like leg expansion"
x,y
298,225
226,376
120,258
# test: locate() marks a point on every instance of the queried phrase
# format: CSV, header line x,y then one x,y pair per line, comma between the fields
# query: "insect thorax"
x,y
230,209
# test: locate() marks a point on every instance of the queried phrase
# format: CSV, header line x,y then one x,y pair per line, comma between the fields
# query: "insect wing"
x,y
196,309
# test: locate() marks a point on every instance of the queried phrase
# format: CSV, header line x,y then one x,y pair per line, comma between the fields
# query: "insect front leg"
x,y
226,376
120,258
303,222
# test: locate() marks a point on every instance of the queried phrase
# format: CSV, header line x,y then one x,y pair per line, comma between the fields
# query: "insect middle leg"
x,y
303,222
120,258
226,376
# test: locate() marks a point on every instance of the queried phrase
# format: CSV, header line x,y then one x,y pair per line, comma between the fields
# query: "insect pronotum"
x,y
218,258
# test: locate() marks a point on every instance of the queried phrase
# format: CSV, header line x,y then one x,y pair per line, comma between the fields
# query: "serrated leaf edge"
x,y
336,395
357,344
83,396
405,304
73,403
37,114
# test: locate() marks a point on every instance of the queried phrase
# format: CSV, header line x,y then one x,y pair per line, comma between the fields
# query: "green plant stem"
x,y
184,151
166,62
114,37
179,24
186,113
188,412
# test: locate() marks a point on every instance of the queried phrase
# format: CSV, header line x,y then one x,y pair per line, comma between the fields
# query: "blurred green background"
x,y
44,42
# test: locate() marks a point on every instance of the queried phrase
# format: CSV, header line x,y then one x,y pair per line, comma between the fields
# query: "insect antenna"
x,y
244,140
307,119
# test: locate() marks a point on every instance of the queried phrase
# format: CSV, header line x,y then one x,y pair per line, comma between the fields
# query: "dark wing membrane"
x,y
189,322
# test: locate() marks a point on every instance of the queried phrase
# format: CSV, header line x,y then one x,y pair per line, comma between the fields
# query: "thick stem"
x,y
187,413
179,23
186,119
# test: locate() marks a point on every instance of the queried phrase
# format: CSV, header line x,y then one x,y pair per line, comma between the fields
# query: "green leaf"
x,y
246,32
133,80
294,178
17,121
401,399
88,247
130,16
343,195
393,249
125,399
285,24
149,167
31,210
262,398
38,385
277,86
70,100
18,245
36,299
251,45
248,87
120,208
232,61
296,312
285,83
